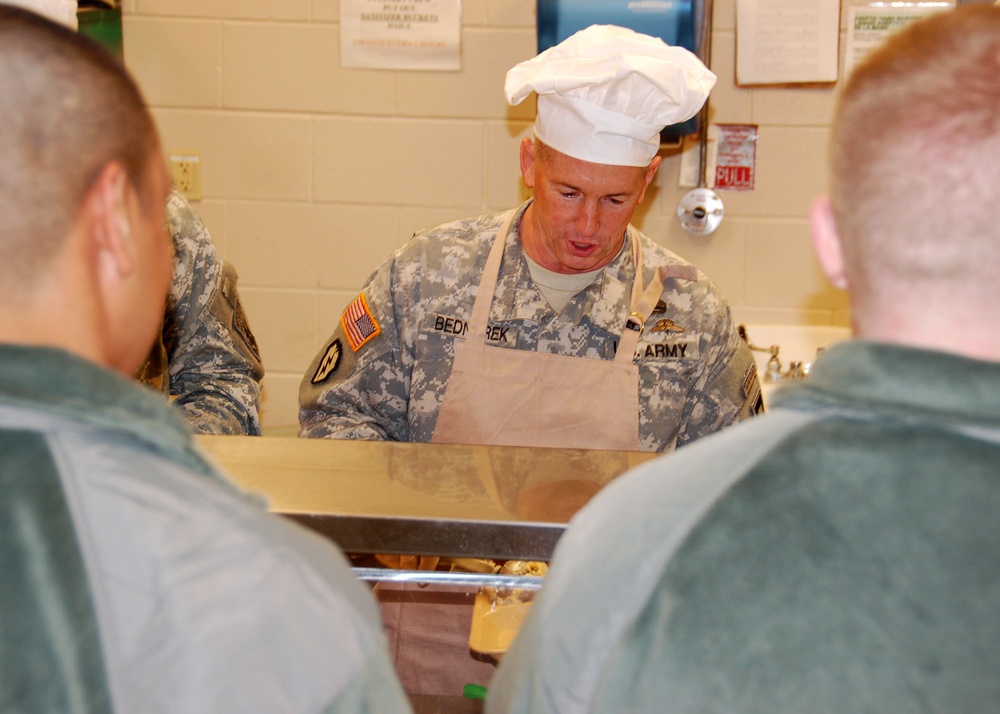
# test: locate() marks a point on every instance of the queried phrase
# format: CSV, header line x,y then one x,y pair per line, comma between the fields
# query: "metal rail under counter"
x,y
495,502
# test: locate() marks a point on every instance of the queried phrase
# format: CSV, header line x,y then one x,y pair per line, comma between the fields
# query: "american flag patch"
x,y
359,324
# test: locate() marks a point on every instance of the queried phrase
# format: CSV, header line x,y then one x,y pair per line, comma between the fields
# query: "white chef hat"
x,y
61,11
605,93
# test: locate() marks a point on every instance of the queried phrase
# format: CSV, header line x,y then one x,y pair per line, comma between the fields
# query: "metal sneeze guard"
x,y
452,501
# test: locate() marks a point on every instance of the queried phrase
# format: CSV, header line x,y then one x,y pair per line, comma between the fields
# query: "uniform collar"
x,y
888,378
605,302
55,382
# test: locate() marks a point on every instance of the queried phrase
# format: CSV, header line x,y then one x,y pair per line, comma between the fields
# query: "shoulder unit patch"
x,y
329,362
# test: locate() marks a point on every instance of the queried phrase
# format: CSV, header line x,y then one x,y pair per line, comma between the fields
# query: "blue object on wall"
x,y
673,21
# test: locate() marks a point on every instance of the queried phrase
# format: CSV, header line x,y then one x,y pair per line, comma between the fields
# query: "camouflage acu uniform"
x,y
384,376
208,359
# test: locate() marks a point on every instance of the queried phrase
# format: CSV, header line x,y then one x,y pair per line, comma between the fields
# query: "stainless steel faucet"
x,y
773,373
796,369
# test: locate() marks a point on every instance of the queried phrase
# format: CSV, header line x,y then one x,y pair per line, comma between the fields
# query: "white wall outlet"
x,y
185,168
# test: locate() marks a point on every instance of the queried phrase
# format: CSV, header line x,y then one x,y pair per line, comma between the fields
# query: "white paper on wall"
x,y
787,41
61,11
731,158
869,26
736,157
401,34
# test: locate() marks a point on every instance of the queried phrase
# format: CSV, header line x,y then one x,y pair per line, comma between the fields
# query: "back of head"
x,y
67,108
916,161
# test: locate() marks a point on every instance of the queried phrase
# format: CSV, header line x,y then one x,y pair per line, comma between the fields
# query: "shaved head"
x,y
67,109
916,161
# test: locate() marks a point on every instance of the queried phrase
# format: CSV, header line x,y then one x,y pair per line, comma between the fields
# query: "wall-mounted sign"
x,y
786,41
736,157
401,34
868,27
730,159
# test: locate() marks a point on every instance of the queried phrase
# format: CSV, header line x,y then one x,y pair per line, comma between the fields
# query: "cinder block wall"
x,y
313,174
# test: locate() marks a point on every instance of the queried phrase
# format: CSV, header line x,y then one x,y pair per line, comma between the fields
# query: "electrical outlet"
x,y
185,168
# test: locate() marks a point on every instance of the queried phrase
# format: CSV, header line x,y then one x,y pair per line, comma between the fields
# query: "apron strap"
x,y
488,284
642,303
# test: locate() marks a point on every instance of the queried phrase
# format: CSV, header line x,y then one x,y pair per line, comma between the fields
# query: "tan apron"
x,y
513,397
502,396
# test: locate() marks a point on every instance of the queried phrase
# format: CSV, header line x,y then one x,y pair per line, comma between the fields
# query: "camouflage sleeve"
x,y
357,386
214,363
727,389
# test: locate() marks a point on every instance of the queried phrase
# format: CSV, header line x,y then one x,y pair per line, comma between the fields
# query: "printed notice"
x,y
868,27
404,34
736,157
787,41
730,161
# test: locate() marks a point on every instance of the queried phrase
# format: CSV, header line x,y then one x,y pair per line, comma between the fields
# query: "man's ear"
x,y
826,241
107,218
528,160
650,173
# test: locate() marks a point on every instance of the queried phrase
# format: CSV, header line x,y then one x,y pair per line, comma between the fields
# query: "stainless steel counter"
x,y
471,502
427,499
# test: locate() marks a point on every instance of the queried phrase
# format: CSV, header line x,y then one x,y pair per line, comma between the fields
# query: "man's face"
x,y
577,220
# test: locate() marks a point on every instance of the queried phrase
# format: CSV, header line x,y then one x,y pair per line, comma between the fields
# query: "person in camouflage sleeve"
x,y
566,292
136,576
207,358
556,324
695,373
838,555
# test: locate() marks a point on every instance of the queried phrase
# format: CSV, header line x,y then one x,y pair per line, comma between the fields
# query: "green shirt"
x,y
137,579
839,554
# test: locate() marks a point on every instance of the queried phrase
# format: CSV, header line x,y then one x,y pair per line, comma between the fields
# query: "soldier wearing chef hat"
x,y
839,555
555,324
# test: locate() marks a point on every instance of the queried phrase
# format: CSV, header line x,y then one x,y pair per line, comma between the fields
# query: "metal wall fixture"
x,y
700,210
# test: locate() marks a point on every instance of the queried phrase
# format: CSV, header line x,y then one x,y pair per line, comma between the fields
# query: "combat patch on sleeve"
x,y
332,365
227,308
360,326
328,363
751,389
242,328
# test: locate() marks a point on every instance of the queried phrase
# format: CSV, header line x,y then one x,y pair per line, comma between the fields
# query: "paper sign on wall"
x,y
730,159
868,27
736,157
786,41
401,34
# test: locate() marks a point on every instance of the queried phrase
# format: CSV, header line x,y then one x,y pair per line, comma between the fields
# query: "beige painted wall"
x,y
313,174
